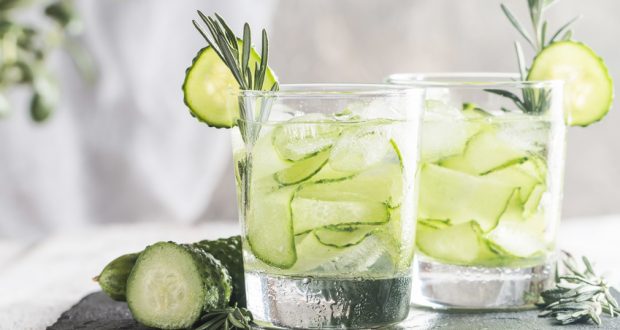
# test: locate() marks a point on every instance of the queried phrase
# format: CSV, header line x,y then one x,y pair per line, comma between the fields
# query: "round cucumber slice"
x,y
588,89
207,84
172,285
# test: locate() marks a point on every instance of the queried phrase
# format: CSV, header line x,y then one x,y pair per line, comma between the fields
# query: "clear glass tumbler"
x,y
490,190
326,178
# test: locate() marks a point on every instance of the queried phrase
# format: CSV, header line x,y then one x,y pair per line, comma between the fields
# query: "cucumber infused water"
x,y
326,193
490,190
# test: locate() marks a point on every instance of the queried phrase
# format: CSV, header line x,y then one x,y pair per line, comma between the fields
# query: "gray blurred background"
x,y
363,41
125,149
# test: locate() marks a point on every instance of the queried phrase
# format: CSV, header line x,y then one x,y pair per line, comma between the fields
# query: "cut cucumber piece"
x,y
536,167
460,197
302,170
358,149
531,205
517,240
485,152
517,177
315,257
343,236
472,111
437,224
309,214
383,184
269,227
305,136
588,87
458,244
172,285
207,85
514,210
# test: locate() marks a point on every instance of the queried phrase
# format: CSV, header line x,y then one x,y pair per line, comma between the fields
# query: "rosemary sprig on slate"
x,y
580,295
533,100
227,318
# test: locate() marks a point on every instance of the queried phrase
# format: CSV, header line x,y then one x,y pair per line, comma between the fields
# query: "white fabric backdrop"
x,y
125,149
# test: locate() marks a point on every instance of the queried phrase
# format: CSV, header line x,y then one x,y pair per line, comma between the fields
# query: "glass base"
x,y
319,303
442,286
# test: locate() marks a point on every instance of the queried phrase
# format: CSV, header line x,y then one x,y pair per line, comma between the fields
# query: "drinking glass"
x,y
490,190
326,178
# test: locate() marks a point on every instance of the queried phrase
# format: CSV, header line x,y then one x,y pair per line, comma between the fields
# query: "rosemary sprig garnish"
x,y
227,318
580,295
533,100
226,46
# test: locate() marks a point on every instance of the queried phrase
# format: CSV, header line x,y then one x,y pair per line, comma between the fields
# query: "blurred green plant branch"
x,y
25,49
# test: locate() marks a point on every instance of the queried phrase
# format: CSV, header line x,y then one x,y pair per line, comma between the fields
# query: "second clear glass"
x,y
490,189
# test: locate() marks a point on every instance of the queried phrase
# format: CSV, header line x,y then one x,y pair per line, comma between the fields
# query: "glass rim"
x,y
467,80
332,90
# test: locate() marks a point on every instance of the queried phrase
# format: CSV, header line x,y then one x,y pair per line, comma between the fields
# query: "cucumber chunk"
x,y
302,170
458,244
588,87
207,86
229,252
305,136
485,152
172,285
113,278
269,227
460,197
343,236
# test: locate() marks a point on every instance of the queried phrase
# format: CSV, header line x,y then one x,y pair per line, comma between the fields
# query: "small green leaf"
x,y
517,25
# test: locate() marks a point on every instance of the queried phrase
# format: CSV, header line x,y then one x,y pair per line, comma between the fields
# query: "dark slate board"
x,y
97,311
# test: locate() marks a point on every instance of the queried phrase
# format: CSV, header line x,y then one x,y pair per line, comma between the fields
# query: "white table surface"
x,y
38,281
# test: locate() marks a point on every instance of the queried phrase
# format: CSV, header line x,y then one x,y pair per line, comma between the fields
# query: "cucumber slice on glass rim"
x,y
588,89
207,84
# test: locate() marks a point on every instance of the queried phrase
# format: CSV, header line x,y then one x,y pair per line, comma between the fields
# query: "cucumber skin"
x,y
229,252
113,278
216,284
215,276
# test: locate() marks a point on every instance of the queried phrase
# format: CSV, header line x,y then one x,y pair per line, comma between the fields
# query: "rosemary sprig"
x,y
226,45
227,318
579,295
533,100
